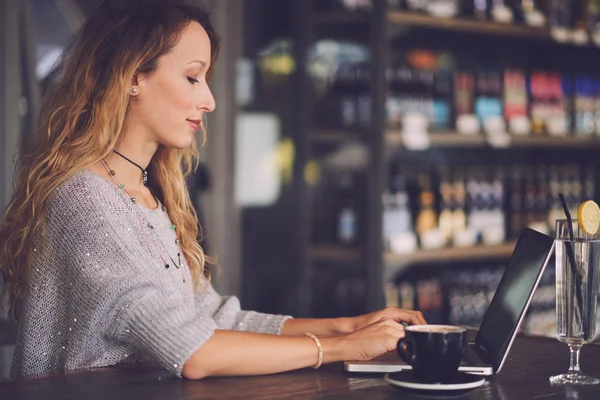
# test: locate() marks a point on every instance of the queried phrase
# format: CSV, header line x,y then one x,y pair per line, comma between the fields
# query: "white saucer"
x,y
406,379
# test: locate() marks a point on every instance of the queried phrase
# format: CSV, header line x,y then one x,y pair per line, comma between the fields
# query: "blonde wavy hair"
x,y
81,121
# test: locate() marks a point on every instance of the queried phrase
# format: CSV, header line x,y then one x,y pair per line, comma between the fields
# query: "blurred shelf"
x,y
453,139
467,25
333,18
411,19
395,263
549,141
441,139
334,253
335,135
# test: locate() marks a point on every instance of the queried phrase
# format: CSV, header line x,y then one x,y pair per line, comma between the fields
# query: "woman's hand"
x,y
395,314
373,340
344,326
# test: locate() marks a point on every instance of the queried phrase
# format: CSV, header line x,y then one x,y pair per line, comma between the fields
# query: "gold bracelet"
x,y
318,343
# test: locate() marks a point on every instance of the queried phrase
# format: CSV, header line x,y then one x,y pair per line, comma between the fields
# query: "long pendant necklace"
x,y
112,174
144,171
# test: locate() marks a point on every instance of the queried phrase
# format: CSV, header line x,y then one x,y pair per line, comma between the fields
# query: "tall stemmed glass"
x,y
577,262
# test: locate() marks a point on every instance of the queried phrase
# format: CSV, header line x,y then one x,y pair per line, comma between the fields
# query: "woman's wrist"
x,y
318,326
334,349
343,326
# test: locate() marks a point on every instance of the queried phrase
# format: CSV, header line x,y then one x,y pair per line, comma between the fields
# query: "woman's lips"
x,y
194,123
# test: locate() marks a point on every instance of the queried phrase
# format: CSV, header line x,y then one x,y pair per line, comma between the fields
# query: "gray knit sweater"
x,y
101,293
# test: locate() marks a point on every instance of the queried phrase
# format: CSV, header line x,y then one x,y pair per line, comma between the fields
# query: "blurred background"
x,y
366,153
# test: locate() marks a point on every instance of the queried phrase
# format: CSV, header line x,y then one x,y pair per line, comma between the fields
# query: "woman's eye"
x,y
192,80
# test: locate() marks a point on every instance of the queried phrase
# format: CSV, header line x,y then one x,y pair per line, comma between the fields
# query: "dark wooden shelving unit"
x,y
466,25
341,18
334,253
457,140
335,135
393,262
454,139
571,141
396,262
382,27
417,20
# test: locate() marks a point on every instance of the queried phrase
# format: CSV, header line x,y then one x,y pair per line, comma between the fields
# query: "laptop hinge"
x,y
482,353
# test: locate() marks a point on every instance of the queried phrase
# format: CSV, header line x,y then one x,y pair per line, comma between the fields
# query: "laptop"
x,y
487,353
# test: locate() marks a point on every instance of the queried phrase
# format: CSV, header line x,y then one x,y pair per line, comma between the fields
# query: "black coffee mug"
x,y
434,351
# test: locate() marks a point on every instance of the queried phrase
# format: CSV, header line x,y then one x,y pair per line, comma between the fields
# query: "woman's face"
x,y
170,101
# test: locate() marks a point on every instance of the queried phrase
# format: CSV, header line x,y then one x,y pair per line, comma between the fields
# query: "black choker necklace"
x,y
144,171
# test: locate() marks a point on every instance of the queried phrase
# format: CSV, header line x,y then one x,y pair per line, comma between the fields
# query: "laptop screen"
x,y
529,258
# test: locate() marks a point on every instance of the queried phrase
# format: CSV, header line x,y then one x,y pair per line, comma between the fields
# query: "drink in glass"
x,y
577,263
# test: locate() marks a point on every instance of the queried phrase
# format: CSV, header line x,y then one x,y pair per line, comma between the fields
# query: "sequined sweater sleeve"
x,y
101,293
227,313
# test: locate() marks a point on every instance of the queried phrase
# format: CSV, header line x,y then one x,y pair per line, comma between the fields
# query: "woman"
x,y
100,257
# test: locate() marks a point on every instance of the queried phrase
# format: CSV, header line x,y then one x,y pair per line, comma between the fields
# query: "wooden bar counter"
x,y
525,376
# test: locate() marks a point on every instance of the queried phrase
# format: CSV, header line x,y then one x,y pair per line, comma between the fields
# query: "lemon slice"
x,y
588,217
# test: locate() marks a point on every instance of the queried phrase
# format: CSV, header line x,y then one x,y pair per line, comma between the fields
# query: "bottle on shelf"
x,y
515,102
429,299
464,103
596,90
555,208
579,33
396,5
447,206
347,216
416,103
416,5
405,78
352,5
529,197
476,196
424,80
532,14
516,204
540,95
501,12
571,187
576,188
407,295
567,105
589,183
561,20
584,107
494,232
478,9
536,200
443,8
488,103
363,95
442,102
427,221
342,100
557,122
459,216
387,225
397,219
333,5
393,103
392,295
593,21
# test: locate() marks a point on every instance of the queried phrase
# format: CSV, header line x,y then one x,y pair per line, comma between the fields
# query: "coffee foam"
x,y
435,328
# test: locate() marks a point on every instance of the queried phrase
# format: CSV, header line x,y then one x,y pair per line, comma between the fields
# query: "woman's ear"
x,y
135,87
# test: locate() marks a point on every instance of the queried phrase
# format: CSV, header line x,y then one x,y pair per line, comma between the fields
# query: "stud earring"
x,y
134,90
